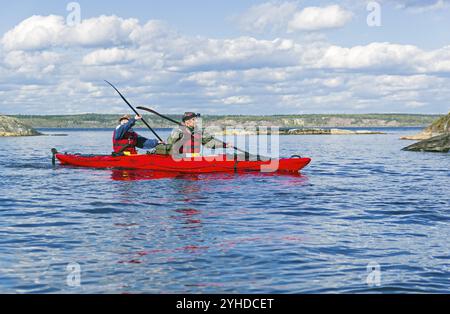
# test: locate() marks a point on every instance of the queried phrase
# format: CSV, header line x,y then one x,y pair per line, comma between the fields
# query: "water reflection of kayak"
x,y
140,175
137,175
206,164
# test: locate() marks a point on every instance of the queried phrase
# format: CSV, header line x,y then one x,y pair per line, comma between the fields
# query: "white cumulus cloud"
x,y
319,18
32,63
41,32
108,57
375,55
239,53
289,17
35,32
56,69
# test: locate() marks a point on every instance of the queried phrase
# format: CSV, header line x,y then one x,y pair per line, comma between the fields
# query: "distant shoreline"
x,y
99,121
143,128
255,131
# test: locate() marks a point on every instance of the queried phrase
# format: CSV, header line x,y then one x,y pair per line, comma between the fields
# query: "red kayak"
x,y
206,164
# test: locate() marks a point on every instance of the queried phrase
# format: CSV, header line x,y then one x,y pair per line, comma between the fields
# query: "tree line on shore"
x,y
309,120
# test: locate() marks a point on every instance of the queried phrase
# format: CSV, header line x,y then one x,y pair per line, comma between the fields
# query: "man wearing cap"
x,y
125,140
188,138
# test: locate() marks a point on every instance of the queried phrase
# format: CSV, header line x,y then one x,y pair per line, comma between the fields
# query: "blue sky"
x,y
194,17
214,18
226,57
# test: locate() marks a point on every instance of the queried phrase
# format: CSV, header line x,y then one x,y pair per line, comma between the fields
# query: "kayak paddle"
x,y
160,115
129,105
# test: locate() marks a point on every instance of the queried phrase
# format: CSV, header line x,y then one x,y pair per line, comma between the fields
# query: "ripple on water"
x,y
361,200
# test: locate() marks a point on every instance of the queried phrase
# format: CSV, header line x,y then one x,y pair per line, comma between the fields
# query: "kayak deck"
x,y
205,164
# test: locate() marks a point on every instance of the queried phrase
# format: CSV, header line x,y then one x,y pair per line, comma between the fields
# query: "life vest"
x,y
192,142
129,139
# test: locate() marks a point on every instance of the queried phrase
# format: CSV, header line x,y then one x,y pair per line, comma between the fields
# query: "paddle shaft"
x,y
134,110
179,123
160,115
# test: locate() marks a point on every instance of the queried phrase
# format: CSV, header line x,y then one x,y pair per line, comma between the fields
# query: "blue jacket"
x,y
143,142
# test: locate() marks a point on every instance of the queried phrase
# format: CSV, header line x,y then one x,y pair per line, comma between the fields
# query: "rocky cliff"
x,y
435,138
14,127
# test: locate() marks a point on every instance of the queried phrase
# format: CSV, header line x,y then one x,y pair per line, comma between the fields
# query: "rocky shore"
x,y
14,127
438,144
435,138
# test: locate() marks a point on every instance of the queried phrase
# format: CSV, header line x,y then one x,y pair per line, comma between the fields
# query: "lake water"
x,y
361,201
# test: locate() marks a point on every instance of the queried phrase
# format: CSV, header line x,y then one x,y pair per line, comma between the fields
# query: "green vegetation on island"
x,y
441,125
437,127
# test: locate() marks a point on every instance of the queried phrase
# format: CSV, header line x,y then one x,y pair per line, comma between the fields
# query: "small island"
x,y
14,127
435,138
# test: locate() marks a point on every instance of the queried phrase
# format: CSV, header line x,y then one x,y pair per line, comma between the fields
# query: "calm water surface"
x,y
362,200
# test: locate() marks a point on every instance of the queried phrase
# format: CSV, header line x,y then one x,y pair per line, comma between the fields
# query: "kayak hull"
x,y
186,165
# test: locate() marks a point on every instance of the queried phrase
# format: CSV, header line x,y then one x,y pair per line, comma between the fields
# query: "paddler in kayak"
x,y
187,139
125,140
